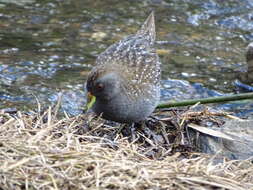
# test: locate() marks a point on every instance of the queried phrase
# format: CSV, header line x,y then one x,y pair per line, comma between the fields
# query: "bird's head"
x,y
102,85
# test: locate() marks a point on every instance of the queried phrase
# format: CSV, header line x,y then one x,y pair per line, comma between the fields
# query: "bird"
x,y
125,81
247,76
249,60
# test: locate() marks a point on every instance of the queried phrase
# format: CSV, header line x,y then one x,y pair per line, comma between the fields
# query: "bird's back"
x,y
136,55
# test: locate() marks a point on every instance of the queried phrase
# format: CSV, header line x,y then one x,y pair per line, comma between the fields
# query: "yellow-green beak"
x,y
90,101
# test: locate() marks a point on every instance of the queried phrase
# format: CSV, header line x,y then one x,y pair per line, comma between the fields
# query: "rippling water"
x,y
48,47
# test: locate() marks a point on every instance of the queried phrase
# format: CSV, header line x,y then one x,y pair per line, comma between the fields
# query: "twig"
x,y
219,99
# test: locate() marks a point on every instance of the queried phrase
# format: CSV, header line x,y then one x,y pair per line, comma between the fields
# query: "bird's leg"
x,y
121,127
127,130
149,130
133,132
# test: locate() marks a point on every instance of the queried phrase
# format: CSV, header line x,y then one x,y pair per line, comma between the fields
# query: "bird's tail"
x,y
148,28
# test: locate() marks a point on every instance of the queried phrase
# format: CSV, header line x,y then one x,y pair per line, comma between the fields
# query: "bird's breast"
x,y
125,109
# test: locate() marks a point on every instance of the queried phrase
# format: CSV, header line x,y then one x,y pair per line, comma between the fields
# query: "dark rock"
x,y
240,148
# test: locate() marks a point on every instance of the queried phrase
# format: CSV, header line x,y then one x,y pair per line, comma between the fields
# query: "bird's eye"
x,y
100,86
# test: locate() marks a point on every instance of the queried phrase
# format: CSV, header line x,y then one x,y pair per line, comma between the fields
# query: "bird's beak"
x,y
90,101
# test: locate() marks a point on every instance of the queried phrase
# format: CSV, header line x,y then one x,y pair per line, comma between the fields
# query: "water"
x,y
48,47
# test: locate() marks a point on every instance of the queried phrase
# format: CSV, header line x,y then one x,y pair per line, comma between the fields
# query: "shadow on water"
x,y
48,47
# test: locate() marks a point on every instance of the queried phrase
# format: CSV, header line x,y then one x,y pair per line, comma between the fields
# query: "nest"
x,y
39,150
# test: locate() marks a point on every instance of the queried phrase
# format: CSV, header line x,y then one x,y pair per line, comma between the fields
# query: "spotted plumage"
x,y
131,69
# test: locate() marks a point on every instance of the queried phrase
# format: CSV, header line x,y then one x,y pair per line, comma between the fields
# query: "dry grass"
x,y
39,151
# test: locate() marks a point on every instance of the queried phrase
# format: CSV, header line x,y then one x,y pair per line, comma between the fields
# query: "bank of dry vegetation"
x,y
40,151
